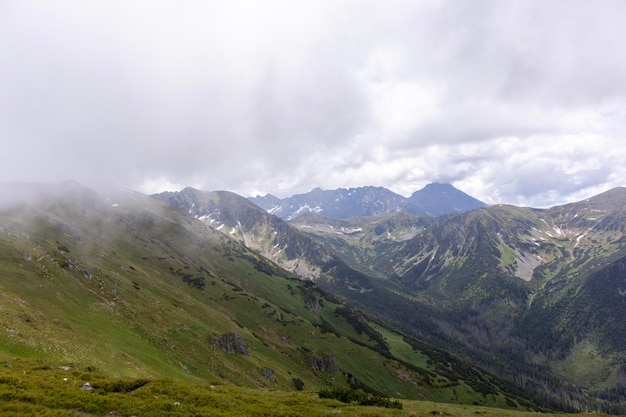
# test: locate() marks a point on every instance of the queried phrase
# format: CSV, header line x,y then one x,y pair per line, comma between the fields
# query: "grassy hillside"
x,y
130,289
31,387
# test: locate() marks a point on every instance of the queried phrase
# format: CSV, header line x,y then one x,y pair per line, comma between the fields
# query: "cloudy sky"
x,y
518,102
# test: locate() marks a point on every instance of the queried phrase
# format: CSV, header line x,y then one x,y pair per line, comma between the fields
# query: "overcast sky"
x,y
519,102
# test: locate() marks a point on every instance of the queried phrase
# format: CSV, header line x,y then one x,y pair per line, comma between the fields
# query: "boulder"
x,y
231,343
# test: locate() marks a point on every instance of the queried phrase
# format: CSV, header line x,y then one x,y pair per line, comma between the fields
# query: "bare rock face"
x,y
326,363
268,373
231,343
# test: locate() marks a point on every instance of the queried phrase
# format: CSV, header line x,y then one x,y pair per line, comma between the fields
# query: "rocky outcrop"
x,y
326,363
269,374
231,343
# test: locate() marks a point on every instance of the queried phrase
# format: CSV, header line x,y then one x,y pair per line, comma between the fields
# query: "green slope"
x,y
134,288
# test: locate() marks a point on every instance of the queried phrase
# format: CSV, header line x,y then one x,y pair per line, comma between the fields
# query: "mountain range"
x,y
532,295
434,200
496,305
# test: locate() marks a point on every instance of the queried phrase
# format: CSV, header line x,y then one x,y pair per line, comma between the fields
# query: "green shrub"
x,y
360,397
298,384
120,385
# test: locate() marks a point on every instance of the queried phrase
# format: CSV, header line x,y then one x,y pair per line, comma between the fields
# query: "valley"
x,y
513,290
499,306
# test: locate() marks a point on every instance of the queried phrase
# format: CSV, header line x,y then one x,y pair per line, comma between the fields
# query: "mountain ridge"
x,y
434,200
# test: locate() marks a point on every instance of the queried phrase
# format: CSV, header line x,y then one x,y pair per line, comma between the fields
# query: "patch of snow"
x,y
219,227
350,231
360,290
115,205
305,209
233,231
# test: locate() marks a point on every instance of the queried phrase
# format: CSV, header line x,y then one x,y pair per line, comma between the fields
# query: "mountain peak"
x,y
611,197
436,199
440,186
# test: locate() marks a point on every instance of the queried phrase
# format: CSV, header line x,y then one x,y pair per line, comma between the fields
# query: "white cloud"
x,y
519,102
